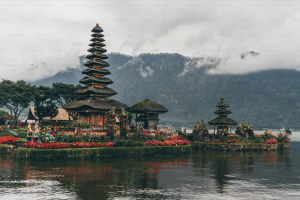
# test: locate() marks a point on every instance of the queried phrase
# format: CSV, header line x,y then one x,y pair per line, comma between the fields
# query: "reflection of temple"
x,y
95,104
147,113
222,122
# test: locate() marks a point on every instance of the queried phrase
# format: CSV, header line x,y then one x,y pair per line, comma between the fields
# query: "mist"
x,y
40,39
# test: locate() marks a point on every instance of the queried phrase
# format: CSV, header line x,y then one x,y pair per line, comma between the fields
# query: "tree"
x,y
197,130
288,131
44,104
64,93
3,114
16,96
204,129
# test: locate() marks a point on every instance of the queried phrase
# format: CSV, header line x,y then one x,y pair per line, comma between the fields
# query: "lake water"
x,y
202,175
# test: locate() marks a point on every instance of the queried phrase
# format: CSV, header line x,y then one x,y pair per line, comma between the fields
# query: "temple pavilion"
x,y
96,95
147,113
222,121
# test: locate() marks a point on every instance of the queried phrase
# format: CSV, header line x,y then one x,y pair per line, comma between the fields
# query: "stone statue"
x,y
13,133
36,129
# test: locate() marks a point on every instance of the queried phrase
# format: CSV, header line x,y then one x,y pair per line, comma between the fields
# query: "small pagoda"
x,y
222,121
147,113
96,94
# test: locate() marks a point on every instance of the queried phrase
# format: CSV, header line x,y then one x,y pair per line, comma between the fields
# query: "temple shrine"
x,y
147,113
222,121
96,95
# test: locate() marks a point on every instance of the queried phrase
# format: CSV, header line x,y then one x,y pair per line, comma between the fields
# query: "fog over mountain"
x,y
184,85
40,39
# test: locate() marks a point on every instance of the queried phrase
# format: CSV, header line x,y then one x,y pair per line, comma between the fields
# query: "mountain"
x,y
269,99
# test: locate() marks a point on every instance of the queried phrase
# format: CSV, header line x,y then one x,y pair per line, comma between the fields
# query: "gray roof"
x,y
93,79
97,28
147,106
93,90
97,104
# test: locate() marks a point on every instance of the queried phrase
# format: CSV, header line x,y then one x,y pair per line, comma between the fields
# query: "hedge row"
x,y
88,153
239,147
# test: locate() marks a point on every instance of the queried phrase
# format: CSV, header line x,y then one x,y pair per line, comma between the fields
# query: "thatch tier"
x,y
222,121
96,104
96,49
97,40
97,45
222,112
97,35
97,29
93,90
147,106
100,56
98,71
222,103
93,62
93,79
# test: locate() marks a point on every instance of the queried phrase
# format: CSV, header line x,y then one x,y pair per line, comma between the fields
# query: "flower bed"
x,y
59,145
82,137
8,140
169,143
271,141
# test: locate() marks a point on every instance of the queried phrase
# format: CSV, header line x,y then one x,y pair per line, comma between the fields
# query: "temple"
x,y
222,121
147,113
95,94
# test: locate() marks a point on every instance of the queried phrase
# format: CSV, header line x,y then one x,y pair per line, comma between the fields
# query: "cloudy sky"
x,y
41,38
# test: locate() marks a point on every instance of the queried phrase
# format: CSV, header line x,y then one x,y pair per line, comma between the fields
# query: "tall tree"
x,y
16,96
45,105
3,114
65,93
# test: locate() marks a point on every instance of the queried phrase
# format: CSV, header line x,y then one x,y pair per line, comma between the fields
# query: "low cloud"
x,y
147,72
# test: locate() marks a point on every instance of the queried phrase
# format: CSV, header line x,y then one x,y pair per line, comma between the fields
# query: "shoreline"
x,y
104,152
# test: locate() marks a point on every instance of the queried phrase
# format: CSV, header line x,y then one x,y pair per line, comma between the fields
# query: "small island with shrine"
x,y
104,127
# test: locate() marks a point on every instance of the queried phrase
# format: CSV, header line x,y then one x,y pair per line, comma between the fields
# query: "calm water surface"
x,y
202,175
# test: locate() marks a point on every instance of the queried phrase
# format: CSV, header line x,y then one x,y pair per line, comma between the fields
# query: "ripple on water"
x,y
35,189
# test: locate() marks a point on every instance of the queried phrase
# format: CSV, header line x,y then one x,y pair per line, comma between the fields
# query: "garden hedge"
x,y
88,153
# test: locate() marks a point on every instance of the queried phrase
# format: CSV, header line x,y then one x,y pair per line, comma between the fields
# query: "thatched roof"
x,y
93,79
62,115
222,121
8,117
222,103
97,35
97,104
100,56
96,47
92,63
97,39
93,49
222,112
147,106
94,70
97,28
93,90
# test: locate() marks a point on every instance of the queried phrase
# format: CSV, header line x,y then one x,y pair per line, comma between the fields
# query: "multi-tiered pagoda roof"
x,y
96,90
222,121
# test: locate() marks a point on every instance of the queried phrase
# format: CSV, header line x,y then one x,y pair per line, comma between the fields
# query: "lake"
x,y
202,175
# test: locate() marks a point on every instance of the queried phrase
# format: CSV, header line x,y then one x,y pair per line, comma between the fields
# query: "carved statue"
x,y
13,133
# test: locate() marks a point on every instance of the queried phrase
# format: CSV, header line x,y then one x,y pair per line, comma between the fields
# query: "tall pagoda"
x,y
222,121
95,94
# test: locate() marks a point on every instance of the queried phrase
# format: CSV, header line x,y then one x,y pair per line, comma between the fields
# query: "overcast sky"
x,y
41,38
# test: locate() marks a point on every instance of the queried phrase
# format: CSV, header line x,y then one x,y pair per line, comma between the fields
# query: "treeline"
x,y
17,96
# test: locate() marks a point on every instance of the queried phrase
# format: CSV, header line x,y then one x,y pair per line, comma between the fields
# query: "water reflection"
x,y
210,174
